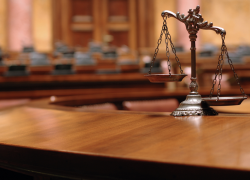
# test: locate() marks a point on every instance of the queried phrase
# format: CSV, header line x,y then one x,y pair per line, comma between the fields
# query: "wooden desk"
x,y
37,86
118,144
76,77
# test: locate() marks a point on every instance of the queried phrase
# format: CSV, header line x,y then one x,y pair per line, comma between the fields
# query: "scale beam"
x,y
194,21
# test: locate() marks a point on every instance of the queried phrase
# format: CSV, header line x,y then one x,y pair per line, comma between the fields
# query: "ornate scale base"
x,y
194,106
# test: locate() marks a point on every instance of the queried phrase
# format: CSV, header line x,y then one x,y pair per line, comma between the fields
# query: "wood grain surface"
x,y
129,145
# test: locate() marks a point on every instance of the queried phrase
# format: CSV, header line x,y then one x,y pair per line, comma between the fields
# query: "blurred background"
x,y
134,23
71,47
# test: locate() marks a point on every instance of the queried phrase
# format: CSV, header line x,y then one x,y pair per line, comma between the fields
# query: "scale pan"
x,y
224,101
162,78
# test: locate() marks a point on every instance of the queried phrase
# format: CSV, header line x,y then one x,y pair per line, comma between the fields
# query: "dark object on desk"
x,y
208,50
179,48
95,47
244,50
206,54
16,70
68,54
84,63
1,57
1,60
63,69
157,64
39,59
62,49
84,59
155,69
28,49
109,55
237,56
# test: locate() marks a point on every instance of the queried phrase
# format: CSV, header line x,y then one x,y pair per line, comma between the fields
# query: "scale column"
x,y
193,85
193,105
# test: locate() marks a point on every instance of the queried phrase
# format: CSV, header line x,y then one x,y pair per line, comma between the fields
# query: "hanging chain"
x,y
157,48
232,67
165,31
219,70
174,51
221,61
167,38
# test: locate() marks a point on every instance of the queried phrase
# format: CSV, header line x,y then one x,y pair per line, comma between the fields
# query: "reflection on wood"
x,y
124,145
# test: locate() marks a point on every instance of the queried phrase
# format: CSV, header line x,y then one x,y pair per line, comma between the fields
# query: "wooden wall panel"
x,y
81,7
57,20
82,38
150,23
3,24
66,20
232,15
116,16
104,17
145,18
97,36
141,26
116,24
118,7
70,18
19,24
42,25
132,25
81,22
120,38
161,5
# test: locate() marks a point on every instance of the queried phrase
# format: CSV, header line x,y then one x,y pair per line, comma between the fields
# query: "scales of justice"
x,y
195,105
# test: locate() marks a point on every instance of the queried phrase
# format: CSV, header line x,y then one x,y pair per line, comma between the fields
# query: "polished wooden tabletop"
x,y
122,144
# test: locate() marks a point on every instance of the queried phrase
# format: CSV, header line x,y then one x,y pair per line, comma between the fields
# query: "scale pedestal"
x,y
194,105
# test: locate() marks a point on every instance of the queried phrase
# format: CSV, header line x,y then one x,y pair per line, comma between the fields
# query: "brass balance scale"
x,y
195,105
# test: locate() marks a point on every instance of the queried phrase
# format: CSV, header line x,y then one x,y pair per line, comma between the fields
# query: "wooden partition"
x,y
76,22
